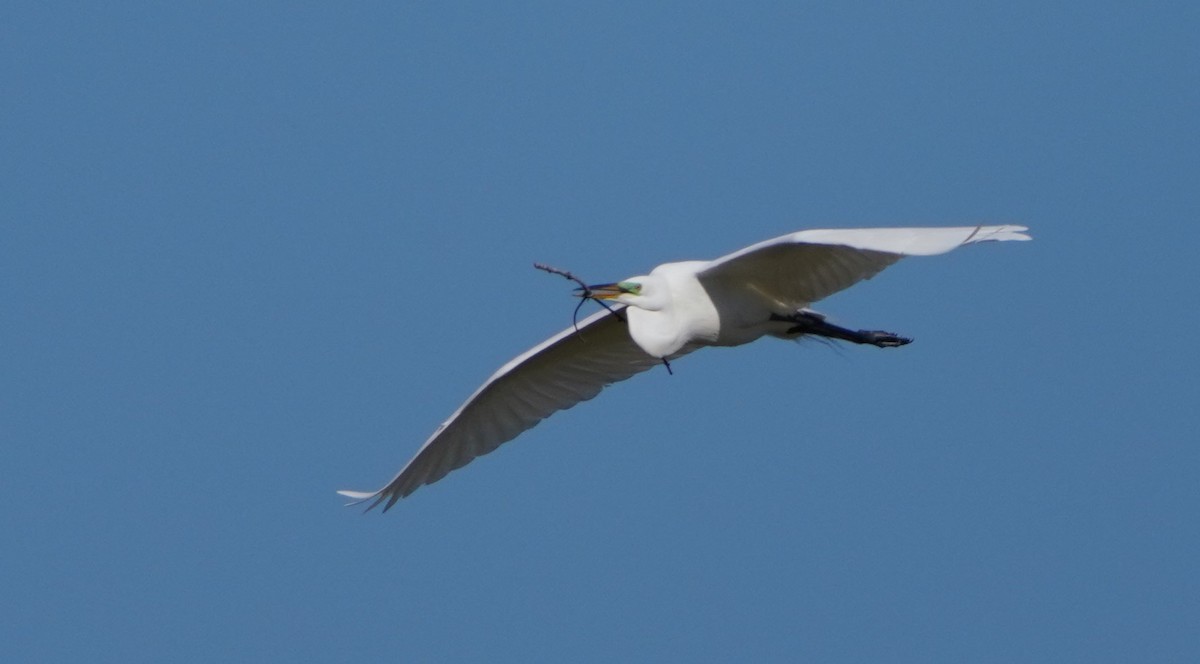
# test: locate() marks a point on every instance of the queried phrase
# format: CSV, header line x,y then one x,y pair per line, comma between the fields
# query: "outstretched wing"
x,y
795,270
562,371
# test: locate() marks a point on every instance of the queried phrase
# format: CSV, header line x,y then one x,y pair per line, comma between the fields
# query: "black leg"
x,y
811,322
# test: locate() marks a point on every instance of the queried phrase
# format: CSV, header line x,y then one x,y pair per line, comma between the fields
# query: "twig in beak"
x,y
583,297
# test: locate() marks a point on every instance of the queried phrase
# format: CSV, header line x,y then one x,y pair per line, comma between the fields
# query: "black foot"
x,y
811,322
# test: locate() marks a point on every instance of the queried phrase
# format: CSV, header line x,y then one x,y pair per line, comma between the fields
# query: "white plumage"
x,y
764,289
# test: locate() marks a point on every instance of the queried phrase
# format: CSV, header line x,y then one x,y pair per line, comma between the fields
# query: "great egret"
x,y
764,289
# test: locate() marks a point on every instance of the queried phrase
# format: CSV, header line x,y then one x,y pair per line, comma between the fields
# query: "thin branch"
x,y
563,273
583,297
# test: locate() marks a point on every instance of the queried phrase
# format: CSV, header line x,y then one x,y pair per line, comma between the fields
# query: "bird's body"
x,y
761,290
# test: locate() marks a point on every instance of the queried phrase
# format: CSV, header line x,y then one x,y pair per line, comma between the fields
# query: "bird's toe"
x,y
888,339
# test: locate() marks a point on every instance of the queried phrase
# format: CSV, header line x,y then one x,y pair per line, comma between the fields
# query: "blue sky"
x,y
250,255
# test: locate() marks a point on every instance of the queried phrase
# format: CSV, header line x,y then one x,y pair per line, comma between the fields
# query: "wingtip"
x,y
357,497
1004,233
1007,232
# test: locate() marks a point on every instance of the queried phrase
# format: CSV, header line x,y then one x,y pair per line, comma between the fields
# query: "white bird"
x,y
764,289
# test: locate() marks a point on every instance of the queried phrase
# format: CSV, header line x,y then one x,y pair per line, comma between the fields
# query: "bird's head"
x,y
641,292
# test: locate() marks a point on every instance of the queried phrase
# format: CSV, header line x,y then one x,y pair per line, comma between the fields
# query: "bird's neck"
x,y
668,331
655,331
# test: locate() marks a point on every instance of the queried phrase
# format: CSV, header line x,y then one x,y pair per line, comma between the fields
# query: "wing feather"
x,y
795,270
562,371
